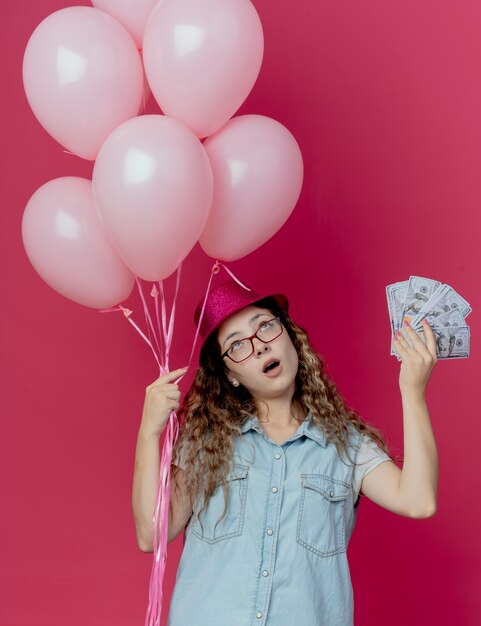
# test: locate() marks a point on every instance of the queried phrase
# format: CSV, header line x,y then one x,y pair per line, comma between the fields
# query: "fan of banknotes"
x,y
444,309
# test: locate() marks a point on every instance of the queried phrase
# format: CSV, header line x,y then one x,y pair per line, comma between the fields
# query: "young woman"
x,y
269,468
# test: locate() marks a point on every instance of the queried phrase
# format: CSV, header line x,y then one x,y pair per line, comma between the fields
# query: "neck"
x,y
280,411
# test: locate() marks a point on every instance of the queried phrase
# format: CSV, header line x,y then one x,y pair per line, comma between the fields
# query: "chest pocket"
x,y
322,514
213,529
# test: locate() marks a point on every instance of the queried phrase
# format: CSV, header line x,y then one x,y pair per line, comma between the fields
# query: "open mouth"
x,y
271,365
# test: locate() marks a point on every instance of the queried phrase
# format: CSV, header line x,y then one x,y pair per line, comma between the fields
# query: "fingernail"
x,y
406,323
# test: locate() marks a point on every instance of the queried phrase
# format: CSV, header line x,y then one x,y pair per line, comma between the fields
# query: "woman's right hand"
x,y
161,397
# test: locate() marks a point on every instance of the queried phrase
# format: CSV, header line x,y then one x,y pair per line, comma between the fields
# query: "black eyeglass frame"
x,y
252,337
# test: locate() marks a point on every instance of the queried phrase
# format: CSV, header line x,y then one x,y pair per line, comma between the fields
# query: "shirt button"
x,y
278,456
265,573
269,531
258,614
274,489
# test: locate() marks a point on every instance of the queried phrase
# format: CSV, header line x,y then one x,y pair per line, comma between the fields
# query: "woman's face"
x,y
250,372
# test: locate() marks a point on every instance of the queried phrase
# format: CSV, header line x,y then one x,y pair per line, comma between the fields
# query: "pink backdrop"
x,y
384,100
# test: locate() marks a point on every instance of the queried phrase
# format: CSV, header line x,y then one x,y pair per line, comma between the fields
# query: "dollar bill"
x,y
452,342
420,291
396,295
441,302
453,317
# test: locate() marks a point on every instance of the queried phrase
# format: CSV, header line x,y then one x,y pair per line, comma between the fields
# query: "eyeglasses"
x,y
241,349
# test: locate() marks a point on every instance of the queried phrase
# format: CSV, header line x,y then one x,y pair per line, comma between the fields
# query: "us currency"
x,y
452,342
453,317
420,291
445,310
396,295
443,301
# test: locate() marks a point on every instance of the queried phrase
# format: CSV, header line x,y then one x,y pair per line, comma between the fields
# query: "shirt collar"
x,y
307,427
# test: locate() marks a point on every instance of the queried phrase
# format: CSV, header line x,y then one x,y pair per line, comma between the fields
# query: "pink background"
x,y
384,99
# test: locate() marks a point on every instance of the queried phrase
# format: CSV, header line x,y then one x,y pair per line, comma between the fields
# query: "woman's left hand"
x,y
418,359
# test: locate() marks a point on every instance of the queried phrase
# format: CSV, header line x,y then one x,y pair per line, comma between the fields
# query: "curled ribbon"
x,y
160,346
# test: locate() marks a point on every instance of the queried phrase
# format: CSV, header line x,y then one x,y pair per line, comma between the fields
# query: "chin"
x,y
283,383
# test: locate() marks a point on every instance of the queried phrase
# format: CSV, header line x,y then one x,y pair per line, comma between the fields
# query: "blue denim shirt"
x,y
278,558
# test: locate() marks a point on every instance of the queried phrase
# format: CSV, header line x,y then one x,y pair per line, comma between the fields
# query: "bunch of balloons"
x,y
162,182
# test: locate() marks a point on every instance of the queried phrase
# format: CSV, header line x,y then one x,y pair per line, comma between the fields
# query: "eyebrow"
x,y
252,319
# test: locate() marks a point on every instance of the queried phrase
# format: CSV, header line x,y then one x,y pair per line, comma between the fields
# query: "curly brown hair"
x,y
213,410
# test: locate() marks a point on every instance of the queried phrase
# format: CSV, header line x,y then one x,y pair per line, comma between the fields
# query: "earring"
x,y
235,382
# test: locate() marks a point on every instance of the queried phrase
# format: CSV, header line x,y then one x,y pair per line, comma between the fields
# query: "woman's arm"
x,y
144,489
161,397
419,478
411,491
144,494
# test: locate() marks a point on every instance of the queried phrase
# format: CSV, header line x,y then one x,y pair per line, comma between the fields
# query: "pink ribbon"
x,y
160,345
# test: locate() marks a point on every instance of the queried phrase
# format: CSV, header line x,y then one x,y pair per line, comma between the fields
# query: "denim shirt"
x,y
278,557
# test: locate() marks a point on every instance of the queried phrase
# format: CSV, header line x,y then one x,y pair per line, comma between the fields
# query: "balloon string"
x,y
172,316
162,503
160,519
214,270
128,313
167,334
234,277
163,314
161,514
155,294
148,319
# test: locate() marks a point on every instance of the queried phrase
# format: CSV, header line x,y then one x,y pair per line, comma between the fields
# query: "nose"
x,y
260,347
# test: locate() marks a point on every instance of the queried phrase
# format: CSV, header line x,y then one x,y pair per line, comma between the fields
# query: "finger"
x,y
165,378
399,348
404,343
418,343
159,386
430,338
167,386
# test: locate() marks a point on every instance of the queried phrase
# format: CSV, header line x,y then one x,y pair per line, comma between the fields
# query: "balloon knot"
x,y
125,311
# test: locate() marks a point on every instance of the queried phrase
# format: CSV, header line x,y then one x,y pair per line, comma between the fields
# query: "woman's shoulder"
x,y
355,436
369,448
